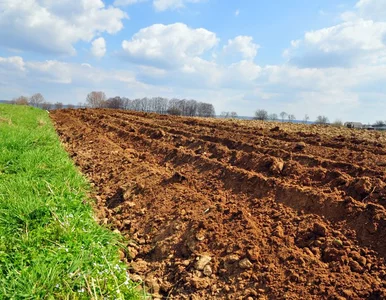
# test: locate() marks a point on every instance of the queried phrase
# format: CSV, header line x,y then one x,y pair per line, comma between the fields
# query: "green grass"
x,y
50,245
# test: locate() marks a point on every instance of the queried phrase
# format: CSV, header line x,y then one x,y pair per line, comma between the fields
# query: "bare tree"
x,y
291,117
163,105
182,106
230,115
177,107
159,105
273,117
205,110
234,115
283,115
321,120
306,118
116,103
143,104
174,107
96,99
174,111
224,114
380,123
261,115
191,108
155,104
36,100
337,123
135,104
22,100
46,105
127,103
58,105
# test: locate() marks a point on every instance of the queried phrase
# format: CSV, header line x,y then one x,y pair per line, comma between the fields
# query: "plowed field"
x,y
235,209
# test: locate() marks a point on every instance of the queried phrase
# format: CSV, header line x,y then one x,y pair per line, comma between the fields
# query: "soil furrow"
x,y
353,143
315,174
208,222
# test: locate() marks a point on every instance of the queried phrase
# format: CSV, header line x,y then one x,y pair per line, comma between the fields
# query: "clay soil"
x,y
222,209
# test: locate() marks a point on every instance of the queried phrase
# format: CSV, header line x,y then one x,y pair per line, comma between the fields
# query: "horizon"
x,y
320,58
218,115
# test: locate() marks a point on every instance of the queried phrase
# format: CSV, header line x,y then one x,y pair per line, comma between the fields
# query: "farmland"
x,y
216,209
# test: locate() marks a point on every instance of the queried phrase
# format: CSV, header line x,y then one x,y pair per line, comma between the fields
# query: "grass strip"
x,y
50,245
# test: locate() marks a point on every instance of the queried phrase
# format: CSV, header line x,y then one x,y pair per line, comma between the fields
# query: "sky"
x,y
319,57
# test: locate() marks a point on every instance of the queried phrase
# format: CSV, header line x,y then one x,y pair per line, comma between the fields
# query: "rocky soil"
x,y
222,209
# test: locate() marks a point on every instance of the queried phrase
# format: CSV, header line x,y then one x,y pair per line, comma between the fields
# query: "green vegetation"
x,y
50,245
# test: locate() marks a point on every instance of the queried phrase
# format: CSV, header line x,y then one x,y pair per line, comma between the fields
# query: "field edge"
x,y
50,243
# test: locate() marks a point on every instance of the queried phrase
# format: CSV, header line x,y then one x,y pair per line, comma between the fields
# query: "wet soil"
x,y
223,209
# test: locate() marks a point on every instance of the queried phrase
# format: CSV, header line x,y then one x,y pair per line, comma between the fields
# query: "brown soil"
x,y
220,209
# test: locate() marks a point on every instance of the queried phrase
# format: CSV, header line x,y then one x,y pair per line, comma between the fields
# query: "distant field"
x,y
230,209
50,245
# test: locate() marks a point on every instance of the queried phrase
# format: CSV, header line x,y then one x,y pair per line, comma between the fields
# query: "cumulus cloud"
x,y
127,2
372,9
165,57
51,26
159,5
162,5
13,63
354,41
181,54
242,86
338,71
168,46
98,47
243,45
50,71
65,82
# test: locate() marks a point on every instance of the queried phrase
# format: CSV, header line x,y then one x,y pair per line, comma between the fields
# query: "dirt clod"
x,y
245,264
300,146
320,229
207,271
355,266
202,261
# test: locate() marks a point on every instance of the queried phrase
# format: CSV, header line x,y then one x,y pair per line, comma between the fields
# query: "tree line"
x,y
380,124
263,115
178,107
37,100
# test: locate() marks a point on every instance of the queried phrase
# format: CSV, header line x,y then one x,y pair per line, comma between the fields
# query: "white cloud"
x,y
98,47
51,26
242,86
162,5
357,39
127,2
165,58
237,12
159,5
65,82
242,75
50,71
168,46
361,35
338,71
372,9
13,63
244,45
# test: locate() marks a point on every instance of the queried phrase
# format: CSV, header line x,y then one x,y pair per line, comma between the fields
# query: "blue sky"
x,y
303,57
